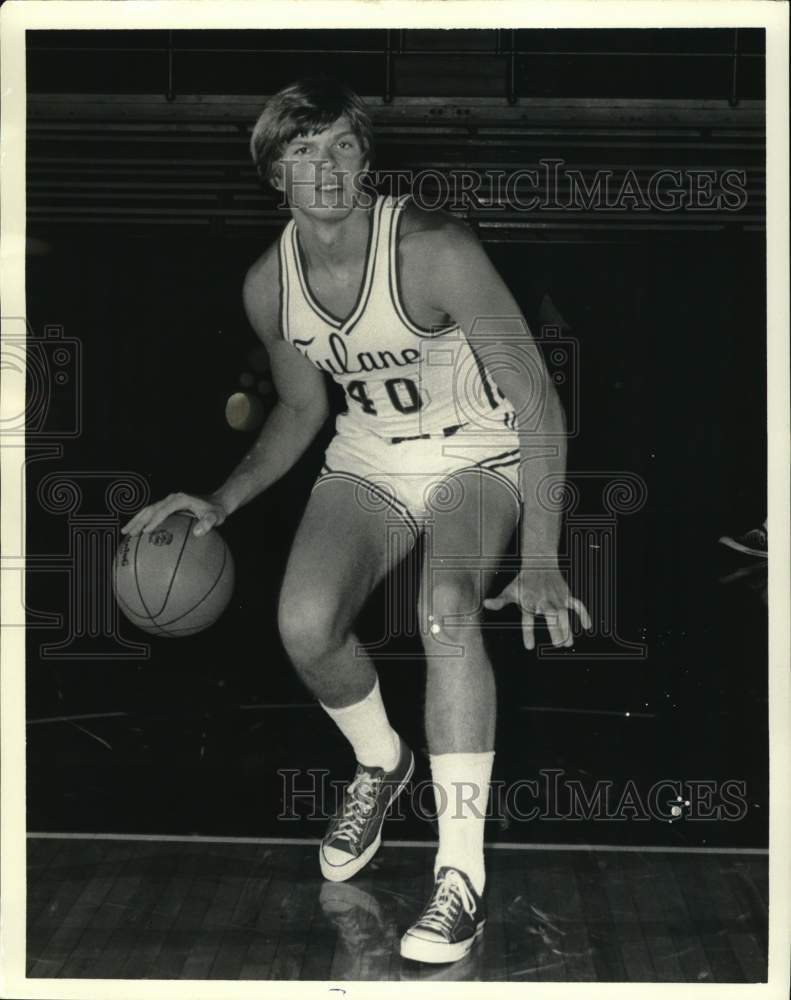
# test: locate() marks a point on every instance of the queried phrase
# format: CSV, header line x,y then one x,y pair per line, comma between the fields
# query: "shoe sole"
x,y
738,547
340,873
433,953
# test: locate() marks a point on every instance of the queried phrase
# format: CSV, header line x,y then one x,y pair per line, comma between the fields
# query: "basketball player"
x,y
452,428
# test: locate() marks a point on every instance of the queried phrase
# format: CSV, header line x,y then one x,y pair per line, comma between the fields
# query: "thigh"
x,y
347,541
473,521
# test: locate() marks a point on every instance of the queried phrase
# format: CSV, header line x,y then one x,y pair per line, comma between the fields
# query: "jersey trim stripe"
x,y
394,278
510,420
283,285
484,379
314,304
365,289
373,257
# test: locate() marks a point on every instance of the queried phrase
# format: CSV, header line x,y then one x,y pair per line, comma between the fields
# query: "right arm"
x,y
296,418
301,408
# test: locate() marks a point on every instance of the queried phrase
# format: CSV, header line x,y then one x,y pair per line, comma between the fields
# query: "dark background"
x,y
143,215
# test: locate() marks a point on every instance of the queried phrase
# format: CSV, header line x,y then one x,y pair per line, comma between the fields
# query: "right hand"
x,y
209,512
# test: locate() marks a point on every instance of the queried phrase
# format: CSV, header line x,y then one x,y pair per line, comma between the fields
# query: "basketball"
x,y
171,583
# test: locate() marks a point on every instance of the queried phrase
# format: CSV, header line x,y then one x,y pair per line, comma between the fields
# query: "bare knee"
x,y
311,628
449,609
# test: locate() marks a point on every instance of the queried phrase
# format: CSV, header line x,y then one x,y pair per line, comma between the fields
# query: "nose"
x,y
326,169
331,161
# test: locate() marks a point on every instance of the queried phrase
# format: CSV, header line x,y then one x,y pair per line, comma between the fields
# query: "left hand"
x,y
542,592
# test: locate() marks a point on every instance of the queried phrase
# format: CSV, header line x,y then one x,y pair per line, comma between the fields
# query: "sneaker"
x,y
466,970
450,924
354,835
754,542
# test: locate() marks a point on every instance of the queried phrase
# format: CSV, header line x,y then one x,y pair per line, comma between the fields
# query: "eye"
x,y
299,150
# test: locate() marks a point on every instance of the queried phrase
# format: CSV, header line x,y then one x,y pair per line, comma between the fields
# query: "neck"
x,y
334,243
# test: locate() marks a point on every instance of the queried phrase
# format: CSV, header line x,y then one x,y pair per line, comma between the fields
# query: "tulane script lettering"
x,y
339,362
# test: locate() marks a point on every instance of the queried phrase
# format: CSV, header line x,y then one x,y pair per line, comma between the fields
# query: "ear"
x,y
276,176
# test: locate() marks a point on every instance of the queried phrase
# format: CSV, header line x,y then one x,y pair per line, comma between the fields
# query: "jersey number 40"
x,y
402,392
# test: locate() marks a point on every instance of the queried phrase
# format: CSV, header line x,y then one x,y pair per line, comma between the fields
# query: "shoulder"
x,y
432,236
439,254
261,293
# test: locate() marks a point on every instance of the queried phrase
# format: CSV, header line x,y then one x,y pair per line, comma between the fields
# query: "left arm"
x,y
465,285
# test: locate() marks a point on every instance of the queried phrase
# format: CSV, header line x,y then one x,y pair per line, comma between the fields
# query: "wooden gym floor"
x,y
104,908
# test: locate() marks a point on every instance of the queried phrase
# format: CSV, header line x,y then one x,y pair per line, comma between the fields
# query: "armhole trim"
x,y
283,284
394,279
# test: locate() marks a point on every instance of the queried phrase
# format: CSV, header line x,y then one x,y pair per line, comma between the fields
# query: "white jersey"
x,y
401,380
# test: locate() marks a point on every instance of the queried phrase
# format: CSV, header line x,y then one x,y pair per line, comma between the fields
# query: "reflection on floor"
x,y
234,910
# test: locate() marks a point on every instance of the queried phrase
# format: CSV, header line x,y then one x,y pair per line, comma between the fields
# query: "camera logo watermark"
x,y
43,374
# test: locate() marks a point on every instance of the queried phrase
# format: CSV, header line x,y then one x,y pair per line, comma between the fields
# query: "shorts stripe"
x,y
492,471
502,465
327,473
505,456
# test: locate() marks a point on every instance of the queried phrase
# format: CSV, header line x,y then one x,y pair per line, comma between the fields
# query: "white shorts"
x,y
412,475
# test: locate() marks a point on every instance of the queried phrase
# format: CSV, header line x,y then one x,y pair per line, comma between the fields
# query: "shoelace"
x,y
442,910
358,804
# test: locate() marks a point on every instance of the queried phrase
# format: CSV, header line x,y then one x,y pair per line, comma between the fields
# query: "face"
x,y
317,172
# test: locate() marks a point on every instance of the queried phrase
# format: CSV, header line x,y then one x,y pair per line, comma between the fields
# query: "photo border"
x,y
17,16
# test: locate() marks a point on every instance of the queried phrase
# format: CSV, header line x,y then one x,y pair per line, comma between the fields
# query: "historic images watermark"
x,y
549,795
549,185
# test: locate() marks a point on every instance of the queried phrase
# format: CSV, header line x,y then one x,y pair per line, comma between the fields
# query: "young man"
x,y
452,427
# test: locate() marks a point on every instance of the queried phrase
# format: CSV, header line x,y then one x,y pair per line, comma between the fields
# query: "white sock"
x,y
365,726
461,793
